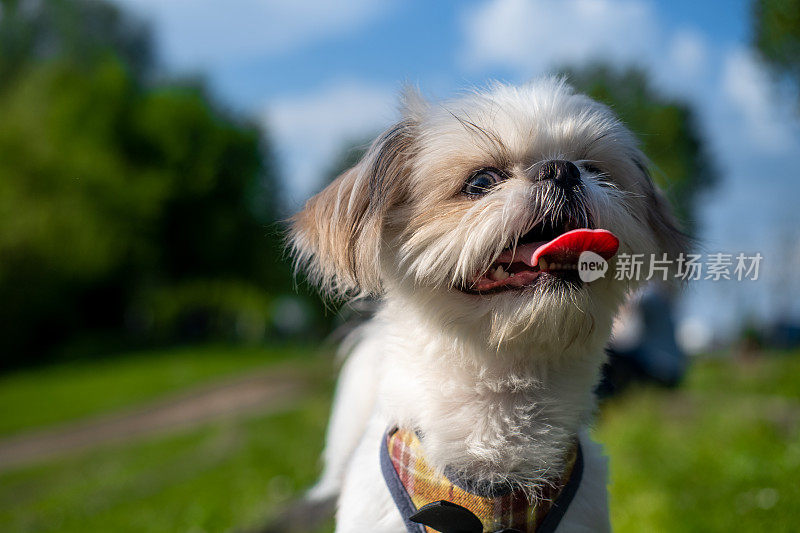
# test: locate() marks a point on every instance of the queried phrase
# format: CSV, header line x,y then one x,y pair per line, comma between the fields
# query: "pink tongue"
x,y
566,246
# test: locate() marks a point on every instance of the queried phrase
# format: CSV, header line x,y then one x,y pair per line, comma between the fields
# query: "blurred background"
x,y
162,370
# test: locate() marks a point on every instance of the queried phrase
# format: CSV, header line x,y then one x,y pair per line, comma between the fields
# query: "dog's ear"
x,y
336,238
669,235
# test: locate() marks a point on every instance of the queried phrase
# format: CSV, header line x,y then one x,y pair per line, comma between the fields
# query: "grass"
x,y
64,392
721,453
223,475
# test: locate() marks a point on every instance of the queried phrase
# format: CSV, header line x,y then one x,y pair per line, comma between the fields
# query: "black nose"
x,y
564,173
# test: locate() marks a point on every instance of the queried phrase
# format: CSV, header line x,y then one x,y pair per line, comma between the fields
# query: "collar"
x,y
430,501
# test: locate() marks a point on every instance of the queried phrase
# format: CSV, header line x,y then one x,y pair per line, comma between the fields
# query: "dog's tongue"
x,y
569,245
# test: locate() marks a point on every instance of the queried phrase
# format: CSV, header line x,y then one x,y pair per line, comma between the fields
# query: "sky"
x,y
321,75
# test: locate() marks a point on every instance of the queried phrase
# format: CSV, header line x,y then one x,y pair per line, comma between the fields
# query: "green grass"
x,y
221,476
722,453
63,392
774,374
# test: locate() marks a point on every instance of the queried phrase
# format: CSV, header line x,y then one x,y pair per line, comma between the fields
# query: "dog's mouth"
x,y
548,251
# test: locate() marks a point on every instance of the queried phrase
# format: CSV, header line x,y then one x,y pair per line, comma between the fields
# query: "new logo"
x,y
591,266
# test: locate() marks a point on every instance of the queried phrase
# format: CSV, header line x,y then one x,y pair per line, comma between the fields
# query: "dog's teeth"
x,y
542,263
498,274
555,266
501,273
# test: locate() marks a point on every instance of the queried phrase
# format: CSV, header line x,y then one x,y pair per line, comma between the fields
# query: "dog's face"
x,y
436,213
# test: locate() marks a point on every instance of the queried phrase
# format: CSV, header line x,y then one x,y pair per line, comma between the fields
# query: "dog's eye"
x,y
482,182
602,177
588,167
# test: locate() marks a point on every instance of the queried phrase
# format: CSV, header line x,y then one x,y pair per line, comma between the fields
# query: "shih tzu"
x,y
463,404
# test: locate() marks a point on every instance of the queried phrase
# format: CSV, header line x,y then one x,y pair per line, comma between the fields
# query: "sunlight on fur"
x,y
498,382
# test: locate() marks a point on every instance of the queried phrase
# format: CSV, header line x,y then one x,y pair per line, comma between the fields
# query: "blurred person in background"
x,y
643,347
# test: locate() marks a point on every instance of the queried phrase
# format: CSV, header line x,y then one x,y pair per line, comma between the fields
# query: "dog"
x,y
466,220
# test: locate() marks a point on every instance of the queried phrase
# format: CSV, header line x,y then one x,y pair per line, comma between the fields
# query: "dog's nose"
x,y
564,173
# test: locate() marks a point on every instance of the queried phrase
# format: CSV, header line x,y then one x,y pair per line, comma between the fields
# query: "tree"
x,y
667,130
33,31
776,35
118,194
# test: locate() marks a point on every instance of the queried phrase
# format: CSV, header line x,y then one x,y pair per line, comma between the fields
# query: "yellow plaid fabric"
x,y
425,485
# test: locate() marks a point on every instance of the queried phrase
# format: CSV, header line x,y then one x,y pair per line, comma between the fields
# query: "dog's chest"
x,y
493,429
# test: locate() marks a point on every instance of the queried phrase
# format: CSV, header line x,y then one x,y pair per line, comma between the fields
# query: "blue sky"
x,y
319,75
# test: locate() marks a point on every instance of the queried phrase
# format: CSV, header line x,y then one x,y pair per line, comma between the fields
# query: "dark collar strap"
x,y
396,488
561,503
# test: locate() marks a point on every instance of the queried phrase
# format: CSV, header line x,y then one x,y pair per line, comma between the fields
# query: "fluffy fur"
x,y
499,384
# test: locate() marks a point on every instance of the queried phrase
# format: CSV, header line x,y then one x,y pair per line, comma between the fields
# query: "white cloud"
x,y
532,36
688,52
765,117
310,129
201,33
754,132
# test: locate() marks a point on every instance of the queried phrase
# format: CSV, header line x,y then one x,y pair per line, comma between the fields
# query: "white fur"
x,y
467,414
499,385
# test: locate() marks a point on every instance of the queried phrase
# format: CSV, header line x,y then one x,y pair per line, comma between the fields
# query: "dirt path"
x,y
259,393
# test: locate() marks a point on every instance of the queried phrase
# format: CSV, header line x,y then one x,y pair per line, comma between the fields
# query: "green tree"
x,y
776,35
33,31
118,193
667,129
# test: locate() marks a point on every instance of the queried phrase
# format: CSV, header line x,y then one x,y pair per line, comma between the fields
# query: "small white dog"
x,y
473,384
